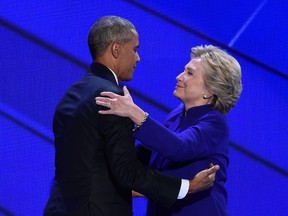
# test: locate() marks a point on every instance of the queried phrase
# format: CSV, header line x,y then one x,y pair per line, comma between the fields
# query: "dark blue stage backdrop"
x,y
44,50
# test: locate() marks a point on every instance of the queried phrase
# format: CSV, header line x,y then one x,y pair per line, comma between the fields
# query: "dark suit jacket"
x,y
96,162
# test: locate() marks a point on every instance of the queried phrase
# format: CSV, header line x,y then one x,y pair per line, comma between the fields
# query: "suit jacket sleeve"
x,y
127,170
197,141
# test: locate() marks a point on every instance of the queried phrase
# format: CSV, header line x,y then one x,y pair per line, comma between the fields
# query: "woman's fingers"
x,y
102,103
113,95
125,90
105,99
108,94
102,99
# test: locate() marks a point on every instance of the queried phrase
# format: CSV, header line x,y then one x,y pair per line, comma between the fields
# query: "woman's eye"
x,y
190,73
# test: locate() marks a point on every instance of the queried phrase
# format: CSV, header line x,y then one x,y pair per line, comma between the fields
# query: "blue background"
x,y
44,50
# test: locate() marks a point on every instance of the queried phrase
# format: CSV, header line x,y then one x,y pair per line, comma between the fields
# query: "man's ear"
x,y
115,49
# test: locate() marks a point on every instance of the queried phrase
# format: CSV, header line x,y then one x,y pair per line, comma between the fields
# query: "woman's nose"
x,y
179,77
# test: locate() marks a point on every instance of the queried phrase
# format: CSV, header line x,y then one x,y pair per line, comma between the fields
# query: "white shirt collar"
x,y
116,78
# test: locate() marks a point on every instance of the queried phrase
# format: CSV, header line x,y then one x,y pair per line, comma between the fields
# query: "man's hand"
x,y
136,194
203,180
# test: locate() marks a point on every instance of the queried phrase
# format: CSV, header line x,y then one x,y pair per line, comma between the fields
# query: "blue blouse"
x,y
186,144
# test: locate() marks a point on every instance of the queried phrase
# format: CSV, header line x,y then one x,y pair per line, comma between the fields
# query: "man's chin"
x,y
127,79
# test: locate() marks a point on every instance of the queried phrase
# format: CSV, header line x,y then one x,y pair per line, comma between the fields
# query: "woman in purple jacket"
x,y
194,134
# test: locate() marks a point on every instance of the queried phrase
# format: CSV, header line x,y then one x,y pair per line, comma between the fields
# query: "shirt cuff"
x,y
183,189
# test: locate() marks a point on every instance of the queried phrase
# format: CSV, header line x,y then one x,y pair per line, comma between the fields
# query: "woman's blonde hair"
x,y
222,76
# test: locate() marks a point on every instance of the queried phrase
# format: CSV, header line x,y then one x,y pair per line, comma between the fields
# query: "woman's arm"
x,y
195,141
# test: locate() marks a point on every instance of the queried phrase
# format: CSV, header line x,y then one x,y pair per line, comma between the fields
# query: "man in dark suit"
x,y
96,163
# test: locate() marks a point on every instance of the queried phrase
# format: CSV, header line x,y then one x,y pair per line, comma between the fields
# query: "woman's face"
x,y
190,86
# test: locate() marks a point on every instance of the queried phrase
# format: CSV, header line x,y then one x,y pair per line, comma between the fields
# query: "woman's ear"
x,y
115,50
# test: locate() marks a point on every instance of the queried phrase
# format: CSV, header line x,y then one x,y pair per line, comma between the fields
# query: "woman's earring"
x,y
205,96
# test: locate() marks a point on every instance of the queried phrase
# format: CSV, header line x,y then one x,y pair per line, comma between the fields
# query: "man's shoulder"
x,y
93,83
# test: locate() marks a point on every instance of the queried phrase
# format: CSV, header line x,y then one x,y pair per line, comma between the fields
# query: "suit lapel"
x,y
102,71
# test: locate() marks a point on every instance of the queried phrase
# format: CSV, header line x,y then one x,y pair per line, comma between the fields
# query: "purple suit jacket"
x,y
186,144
